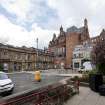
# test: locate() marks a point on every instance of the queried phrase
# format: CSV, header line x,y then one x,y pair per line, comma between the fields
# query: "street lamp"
x,y
37,76
37,42
37,53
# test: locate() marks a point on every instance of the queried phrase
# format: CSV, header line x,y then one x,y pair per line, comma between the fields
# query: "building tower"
x,y
54,37
85,34
61,31
86,29
85,23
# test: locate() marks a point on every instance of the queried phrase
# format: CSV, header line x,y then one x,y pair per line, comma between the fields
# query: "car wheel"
x,y
11,91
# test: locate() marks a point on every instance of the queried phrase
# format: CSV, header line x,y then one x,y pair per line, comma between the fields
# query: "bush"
x,y
101,68
76,78
1,67
94,71
104,79
98,56
84,78
85,75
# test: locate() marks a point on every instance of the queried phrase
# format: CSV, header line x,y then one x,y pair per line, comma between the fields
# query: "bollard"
x,y
37,76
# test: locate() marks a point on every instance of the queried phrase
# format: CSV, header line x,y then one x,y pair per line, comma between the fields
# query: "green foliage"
x,y
84,78
98,56
94,71
76,78
85,74
104,79
101,68
1,67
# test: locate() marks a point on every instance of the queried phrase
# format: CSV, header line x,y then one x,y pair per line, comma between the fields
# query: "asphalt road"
x,y
25,81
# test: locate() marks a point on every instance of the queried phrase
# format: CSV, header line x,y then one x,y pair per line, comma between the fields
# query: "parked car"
x,y
6,84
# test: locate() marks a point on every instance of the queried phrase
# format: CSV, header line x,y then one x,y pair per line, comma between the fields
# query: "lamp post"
x,y
37,42
37,53
37,76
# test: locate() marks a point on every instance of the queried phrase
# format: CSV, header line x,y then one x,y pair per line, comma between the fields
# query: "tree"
x,y
98,56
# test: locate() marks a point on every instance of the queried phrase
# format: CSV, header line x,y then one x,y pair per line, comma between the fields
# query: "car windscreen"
x,y
3,76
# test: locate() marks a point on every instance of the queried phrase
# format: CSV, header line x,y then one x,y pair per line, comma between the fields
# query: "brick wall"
x,y
72,39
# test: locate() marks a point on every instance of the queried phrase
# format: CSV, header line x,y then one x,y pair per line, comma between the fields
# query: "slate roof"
x,y
75,29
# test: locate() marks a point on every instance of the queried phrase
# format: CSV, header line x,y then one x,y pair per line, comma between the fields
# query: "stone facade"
x,y
23,58
97,39
44,60
17,59
81,54
58,47
72,37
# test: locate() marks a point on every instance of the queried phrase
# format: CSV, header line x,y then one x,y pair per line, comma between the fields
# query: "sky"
x,y
23,21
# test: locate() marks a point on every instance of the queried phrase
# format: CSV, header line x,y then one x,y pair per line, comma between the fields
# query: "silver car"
x,y
6,84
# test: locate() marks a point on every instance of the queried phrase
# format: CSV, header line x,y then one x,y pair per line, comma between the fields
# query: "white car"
x,y
6,84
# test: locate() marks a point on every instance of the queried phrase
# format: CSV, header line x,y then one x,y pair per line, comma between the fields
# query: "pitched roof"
x,y
75,29
72,29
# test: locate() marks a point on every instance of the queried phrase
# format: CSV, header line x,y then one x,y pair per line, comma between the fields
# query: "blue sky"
x,y
22,21
42,18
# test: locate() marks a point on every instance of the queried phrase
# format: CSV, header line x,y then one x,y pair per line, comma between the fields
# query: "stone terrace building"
x,y
17,58
64,44
44,60
23,58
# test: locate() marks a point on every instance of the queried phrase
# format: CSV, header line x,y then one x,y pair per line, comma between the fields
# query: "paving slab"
x,y
86,97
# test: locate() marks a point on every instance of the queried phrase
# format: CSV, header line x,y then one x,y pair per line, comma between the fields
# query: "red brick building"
x,y
97,39
63,45
75,36
58,47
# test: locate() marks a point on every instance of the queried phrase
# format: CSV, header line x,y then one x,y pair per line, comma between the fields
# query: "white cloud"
x,y
69,12
72,12
19,36
18,7
27,11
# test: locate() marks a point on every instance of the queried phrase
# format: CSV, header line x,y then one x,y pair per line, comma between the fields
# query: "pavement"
x,y
86,97
59,72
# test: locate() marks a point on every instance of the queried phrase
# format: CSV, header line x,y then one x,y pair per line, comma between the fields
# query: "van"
x,y
87,66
